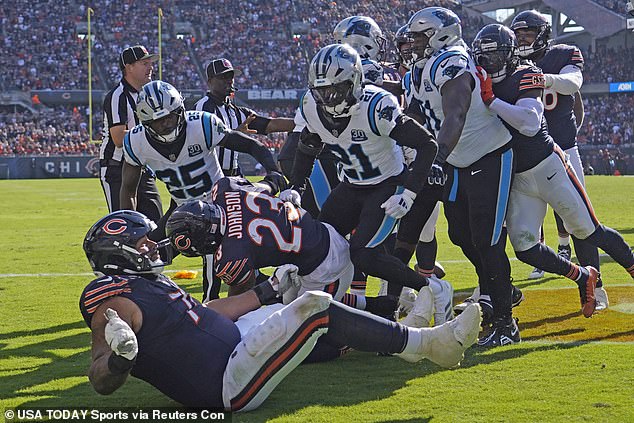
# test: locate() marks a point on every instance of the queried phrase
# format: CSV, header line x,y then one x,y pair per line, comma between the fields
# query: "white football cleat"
x,y
536,274
445,344
474,298
443,300
601,298
423,310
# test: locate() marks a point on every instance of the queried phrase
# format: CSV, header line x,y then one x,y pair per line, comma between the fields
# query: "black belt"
x,y
110,162
232,172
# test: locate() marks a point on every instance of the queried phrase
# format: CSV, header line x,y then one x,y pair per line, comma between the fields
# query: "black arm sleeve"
x,y
259,124
236,140
309,147
410,133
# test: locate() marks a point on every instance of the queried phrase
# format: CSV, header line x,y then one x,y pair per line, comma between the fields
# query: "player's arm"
x,y
393,87
410,133
578,109
456,100
117,133
112,363
308,148
238,141
130,177
568,81
527,112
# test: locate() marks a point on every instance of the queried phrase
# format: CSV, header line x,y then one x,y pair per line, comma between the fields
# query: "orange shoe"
x,y
588,300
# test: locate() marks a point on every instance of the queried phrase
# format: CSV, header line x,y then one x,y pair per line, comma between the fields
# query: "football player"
x,y
228,353
364,127
475,149
562,65
179,146
544,174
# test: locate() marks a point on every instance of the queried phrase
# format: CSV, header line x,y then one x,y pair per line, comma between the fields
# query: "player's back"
x,y
183,346
263,231
189,167
558,108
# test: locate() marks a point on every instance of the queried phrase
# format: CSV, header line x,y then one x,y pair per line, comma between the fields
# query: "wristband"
x,y
119,365
266,294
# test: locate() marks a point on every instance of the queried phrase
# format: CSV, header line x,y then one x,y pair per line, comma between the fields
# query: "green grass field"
x,y
567,368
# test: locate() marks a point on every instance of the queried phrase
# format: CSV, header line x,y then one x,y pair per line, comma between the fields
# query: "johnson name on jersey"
x,y
364,148
263,231
483,131
558,108
528,150
188,172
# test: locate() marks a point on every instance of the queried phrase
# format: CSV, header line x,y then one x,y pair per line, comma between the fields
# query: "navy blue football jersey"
x,y
528,151
558,108
183,346
263,231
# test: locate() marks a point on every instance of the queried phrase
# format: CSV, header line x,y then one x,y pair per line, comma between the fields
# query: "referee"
x,y
220,74
119,107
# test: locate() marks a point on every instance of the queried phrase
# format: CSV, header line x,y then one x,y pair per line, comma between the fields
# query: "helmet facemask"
x,y
495,50
168,128
336,99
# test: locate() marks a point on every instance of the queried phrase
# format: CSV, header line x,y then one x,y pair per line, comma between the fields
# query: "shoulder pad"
x,y
447,65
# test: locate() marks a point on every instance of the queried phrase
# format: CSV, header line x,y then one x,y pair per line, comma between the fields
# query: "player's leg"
x,y
148,198
538,273
574,160
524,218
110,177
488,187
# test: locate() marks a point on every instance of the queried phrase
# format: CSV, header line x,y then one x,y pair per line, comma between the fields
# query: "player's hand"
x,y
276,181
244,127
486,86
398,205
292,196
120,336
436,175
284,278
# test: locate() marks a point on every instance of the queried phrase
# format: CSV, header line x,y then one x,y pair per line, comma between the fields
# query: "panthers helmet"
x,y
334,79
495,49
403,47
110,245
363,34
532,19
432,29
196,228
161,111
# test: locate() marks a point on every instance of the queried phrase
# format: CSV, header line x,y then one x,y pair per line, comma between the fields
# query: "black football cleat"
x,y
505,332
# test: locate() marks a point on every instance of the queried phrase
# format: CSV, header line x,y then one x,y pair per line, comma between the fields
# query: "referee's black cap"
x,y
133,54
220,66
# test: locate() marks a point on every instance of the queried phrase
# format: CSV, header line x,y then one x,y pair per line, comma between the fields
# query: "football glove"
x,y
398,205
436,175
283,279
120,336
629,6
292,196
486,86
276,181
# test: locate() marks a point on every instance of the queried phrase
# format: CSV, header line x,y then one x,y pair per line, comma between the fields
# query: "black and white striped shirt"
x,y
232,116
119,108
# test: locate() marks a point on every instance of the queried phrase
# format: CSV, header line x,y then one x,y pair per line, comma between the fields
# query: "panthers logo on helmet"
x,y
114,230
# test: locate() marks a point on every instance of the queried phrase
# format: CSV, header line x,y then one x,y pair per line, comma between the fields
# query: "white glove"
x,y
398,205
120,336
292,196
287,278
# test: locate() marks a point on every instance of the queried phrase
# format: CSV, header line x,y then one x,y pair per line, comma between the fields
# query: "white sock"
x,y
414,339
361,302
436,287
565,241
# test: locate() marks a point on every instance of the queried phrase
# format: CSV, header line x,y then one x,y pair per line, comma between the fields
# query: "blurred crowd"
x,y
258,37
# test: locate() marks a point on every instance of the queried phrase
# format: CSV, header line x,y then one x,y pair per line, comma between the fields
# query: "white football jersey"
x,y
190,174
366,152
483,131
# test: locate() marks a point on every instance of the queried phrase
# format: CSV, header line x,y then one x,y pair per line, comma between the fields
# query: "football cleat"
x,y
587,292
459,308
601,297
516,297
565,252
443,300
487,310
536,274
439,271
445,344
423,310
505,332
